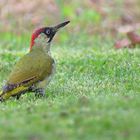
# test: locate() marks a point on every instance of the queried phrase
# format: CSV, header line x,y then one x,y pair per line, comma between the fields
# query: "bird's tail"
x,y
15,89
14,92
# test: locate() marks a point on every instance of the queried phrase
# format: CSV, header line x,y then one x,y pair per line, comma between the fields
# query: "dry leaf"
x,y
134,38
124,43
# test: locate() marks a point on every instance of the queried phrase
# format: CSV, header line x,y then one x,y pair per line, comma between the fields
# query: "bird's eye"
x,y
47,31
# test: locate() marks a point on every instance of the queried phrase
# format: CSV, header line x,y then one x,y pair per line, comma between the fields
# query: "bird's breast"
x,y
48,78
53,68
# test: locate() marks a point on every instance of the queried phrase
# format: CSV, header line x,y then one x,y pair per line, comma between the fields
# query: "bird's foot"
x,y
39,92
1,99
18,96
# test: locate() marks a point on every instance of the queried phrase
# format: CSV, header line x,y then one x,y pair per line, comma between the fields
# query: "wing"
x,y
33,67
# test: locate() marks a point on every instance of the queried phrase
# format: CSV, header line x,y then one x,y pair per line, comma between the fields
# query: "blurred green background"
x,y
89,17
95,91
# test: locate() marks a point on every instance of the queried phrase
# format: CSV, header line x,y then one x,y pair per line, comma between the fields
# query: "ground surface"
x,y
93,95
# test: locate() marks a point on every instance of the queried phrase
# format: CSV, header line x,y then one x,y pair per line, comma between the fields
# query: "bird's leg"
x,y
18,96
32,88
39,92
40,88
1,99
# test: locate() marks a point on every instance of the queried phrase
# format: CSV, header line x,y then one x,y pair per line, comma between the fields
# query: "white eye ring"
x,y
48,32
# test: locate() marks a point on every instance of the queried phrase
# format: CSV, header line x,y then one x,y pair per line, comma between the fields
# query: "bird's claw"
x,y
39,92
1,99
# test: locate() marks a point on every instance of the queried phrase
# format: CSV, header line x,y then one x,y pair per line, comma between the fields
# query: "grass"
x,y
93,95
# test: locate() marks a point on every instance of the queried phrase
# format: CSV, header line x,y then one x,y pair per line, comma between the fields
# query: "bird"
x,y
33,72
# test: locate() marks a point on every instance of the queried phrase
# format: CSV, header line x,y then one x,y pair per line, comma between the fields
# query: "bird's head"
x,y
48,31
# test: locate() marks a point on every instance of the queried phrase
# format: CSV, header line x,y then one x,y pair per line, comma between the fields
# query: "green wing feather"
x,y
37,64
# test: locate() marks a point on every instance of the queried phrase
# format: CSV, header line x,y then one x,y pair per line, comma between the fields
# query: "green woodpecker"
x,y
34,70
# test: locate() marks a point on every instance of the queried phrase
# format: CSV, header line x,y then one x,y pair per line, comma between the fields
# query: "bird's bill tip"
x,y
57,27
